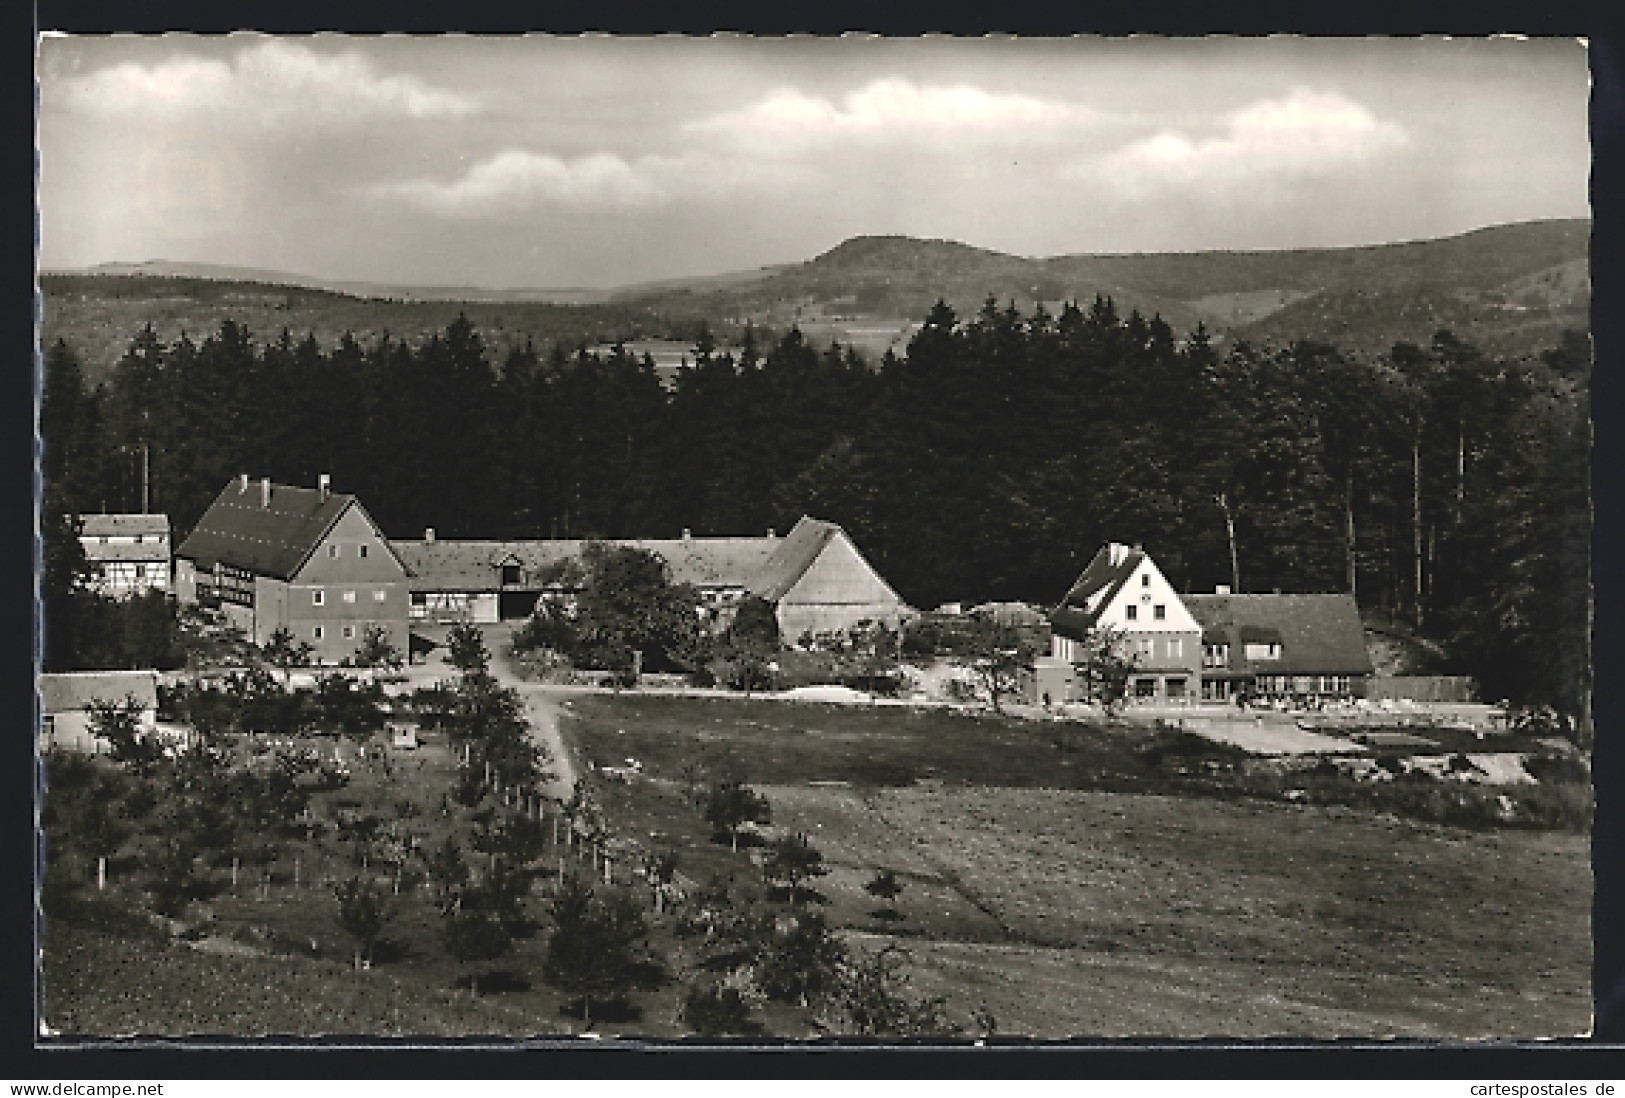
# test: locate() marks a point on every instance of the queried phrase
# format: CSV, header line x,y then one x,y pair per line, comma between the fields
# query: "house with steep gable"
x,y
308,560
1209,647
1123,590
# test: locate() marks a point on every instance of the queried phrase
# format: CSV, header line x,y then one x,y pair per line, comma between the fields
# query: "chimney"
x,y
1116,553
324,485
1222,589
772,533
428,535
242,483
687,533
265,492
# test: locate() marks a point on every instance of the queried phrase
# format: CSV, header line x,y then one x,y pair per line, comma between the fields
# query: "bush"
x,y
713,1009
1558,769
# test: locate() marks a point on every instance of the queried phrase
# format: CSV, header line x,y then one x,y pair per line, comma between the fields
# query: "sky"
x,y
595,161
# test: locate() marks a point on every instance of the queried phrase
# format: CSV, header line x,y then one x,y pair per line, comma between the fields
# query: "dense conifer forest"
x,y
1446,488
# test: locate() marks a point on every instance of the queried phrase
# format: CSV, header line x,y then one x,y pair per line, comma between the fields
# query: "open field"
x,y
1070,910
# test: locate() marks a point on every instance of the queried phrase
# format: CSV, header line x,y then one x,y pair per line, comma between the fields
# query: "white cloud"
x,y
517,179
273,81
1304,134
893,109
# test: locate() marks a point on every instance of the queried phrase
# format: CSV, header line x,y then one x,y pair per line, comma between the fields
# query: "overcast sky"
x,y
586,162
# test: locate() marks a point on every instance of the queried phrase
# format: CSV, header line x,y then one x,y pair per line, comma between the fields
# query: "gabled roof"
x,y
455,565
1318,634
123,526
75,690
1095,589
273,540
791,558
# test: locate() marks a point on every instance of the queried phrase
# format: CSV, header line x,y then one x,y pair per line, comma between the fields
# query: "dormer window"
x,y
1269,651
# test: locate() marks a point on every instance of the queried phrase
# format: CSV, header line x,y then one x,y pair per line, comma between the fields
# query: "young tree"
x,y
874,997
803,963
1104,667
885,886
793,860
998,654
660,870
363,912
119,724
376,650
598,949
285,653
465,644
731,805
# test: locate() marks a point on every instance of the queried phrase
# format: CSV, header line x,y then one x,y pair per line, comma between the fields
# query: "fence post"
x,y
101,873
234,874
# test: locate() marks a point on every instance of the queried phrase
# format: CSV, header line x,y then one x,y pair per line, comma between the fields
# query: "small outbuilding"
x,y
66,700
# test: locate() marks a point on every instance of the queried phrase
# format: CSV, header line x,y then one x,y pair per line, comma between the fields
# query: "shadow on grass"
x,y
498,981
609,1010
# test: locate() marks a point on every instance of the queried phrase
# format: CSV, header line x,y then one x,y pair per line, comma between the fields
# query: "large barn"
x,y
815,576
308,560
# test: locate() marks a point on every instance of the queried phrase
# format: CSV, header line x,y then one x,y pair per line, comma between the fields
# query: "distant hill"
x,y
215,272
99,315
1510,289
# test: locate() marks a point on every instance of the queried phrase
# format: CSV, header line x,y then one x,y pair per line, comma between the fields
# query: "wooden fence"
x,y
1421,688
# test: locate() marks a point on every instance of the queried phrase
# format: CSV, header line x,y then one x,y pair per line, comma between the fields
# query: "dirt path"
x,y
543,711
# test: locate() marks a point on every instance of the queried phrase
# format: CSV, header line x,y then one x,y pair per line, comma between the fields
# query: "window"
x,y
141,571
420,598
1131,612
349,632
361,550
1160,612
1145,579
510,574
380,595
1176,687
318,632
1270,651
1176,648
349,596
1145,688
318,597
138,539
333,552
1215,655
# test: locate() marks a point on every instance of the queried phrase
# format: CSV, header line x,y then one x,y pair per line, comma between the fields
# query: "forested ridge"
x,y
1441,485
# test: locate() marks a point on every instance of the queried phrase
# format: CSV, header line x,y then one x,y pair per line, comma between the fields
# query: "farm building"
x,y
815,576
65,701
1206,647
129,554
309,560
